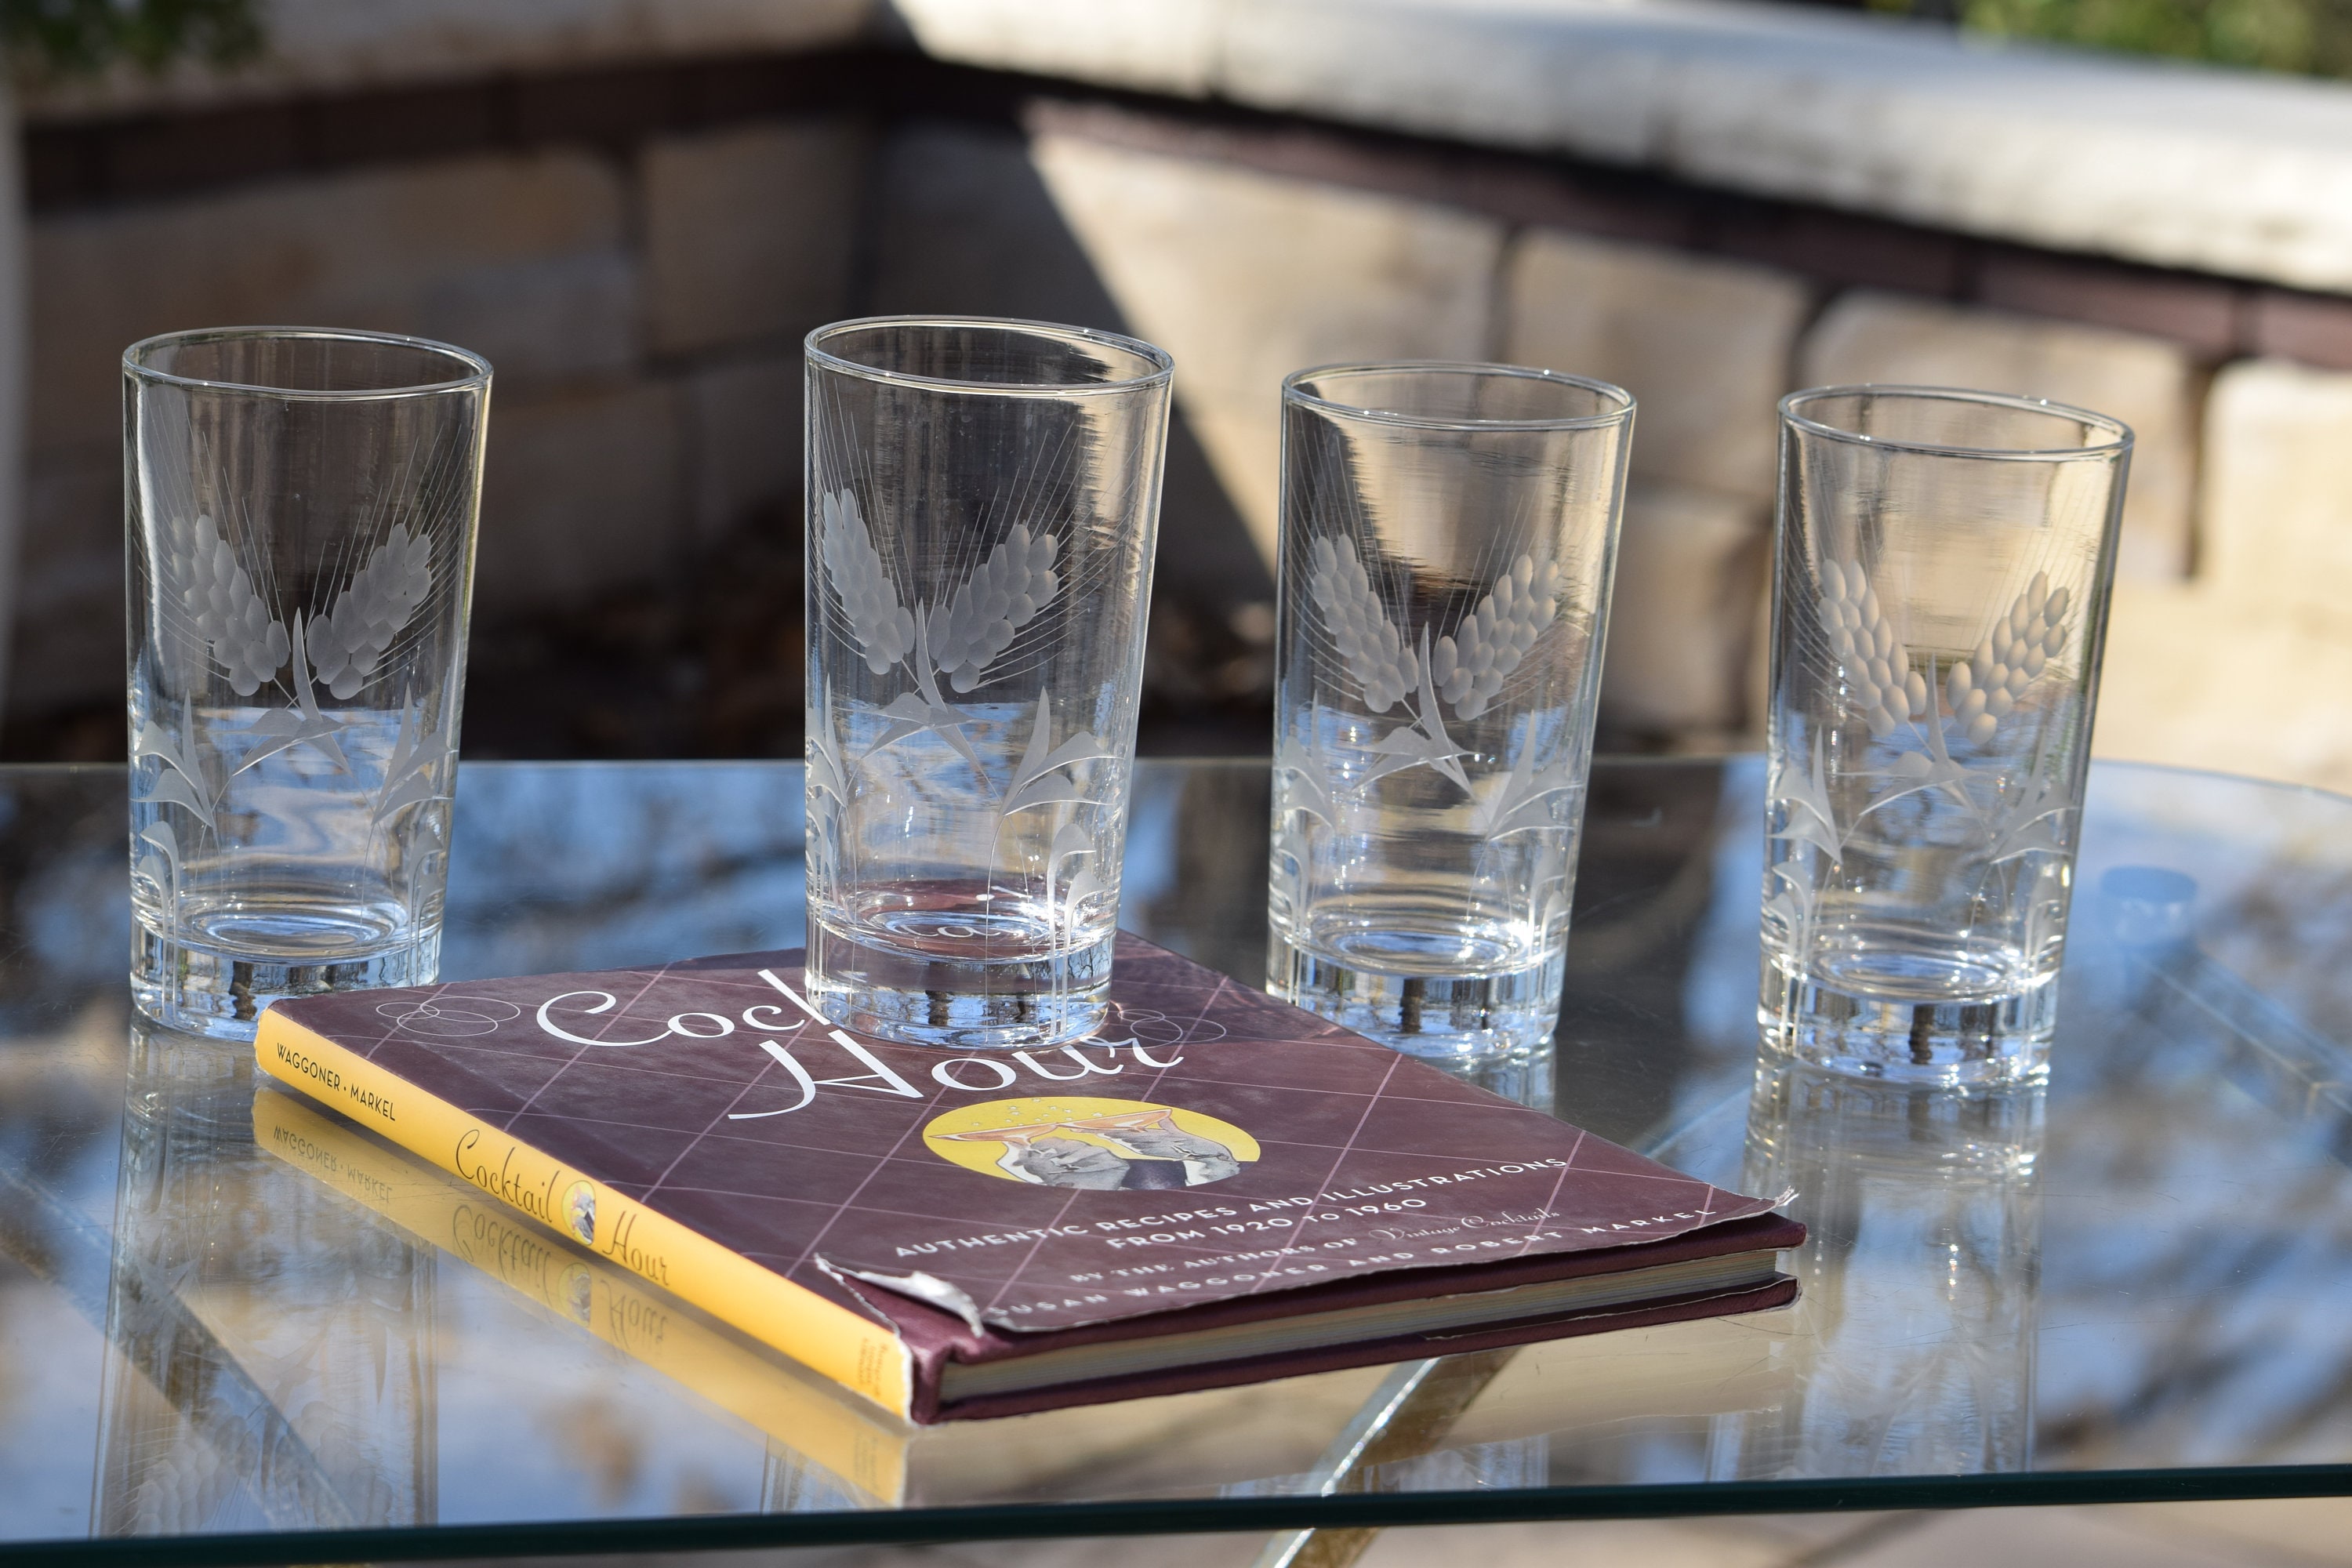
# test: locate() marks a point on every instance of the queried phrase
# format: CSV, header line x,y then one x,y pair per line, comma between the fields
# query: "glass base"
x,y
221,995
933,999
1449,1020
1993,1040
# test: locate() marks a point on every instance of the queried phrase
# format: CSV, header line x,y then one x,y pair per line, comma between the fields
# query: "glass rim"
x,y
2120,437
1294,392
1163,364
478,372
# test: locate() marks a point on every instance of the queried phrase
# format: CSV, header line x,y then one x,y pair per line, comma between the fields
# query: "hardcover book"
x,y
1214,1189
831,1448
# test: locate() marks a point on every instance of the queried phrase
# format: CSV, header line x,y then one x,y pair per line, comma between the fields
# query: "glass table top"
x,y
215,1348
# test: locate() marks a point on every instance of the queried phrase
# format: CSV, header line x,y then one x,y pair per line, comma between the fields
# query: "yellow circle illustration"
x,y
579,1212
1103,1145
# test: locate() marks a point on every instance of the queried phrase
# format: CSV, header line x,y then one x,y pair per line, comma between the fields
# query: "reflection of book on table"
x,y
1217,1189
854,1442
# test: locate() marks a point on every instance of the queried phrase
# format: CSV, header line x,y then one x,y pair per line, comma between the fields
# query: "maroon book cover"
x,y
1210,1157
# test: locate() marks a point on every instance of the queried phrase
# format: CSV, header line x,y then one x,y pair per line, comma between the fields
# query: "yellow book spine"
x,y
852,1350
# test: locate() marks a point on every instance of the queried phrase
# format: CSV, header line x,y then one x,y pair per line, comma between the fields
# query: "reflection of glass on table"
x,y
1901,1369
262,1382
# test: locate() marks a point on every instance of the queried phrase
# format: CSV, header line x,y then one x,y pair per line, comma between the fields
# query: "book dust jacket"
x,y
1209,1158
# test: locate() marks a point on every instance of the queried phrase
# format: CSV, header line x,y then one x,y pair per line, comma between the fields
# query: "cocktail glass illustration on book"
x,y
1448,536
302,514
1940,587
983,501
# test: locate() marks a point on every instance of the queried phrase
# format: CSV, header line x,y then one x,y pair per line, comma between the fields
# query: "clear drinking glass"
x,y
984,497
1448,536
1939,602
300,508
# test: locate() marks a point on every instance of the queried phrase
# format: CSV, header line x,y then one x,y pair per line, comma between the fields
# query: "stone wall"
x,y
640,266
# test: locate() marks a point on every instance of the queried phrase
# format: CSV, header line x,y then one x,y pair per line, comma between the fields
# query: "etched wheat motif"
x,y
346,642
884,629
1527,796
182,778
417,769
1984,690
158,862
1877,666
829,781
246,641
1004,594
1370,647
1046,775
1470,667
1316,789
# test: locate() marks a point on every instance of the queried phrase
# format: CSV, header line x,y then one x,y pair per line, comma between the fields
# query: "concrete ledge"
x,y
2224,172
2218,171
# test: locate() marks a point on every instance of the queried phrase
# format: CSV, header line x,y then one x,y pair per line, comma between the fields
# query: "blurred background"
x,y
635,208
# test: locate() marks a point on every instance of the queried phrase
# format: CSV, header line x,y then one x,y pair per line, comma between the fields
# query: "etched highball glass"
x,y
1941,574
300,508
1448,536
983,501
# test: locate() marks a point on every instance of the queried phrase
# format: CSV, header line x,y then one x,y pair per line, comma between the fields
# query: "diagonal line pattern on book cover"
x,y
1208,1145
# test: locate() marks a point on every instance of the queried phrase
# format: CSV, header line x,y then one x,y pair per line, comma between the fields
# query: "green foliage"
x,y
2310,36
78,37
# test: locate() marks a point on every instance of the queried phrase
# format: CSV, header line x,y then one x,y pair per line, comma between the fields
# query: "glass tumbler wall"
x,y
301,508
1448,536
982,502
1940,588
